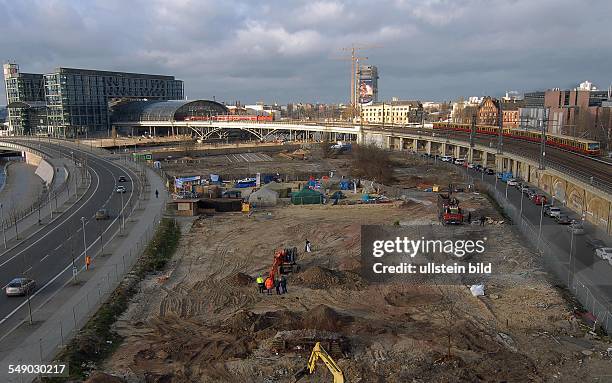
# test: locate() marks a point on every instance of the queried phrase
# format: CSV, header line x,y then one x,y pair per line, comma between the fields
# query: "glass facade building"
x,y
77,101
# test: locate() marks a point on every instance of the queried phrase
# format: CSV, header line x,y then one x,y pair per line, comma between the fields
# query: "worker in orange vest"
x,y
87,262
269,285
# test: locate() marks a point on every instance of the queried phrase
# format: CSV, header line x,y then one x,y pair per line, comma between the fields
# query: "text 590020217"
x,y
48,370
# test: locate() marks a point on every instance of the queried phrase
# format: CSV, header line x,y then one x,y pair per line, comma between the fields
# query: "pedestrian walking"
x,y
482,220
260,284
156,193
469,217
87,262
283,283
269,285
307,247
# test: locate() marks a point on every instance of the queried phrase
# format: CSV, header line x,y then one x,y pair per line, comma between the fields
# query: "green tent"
x,y
306,197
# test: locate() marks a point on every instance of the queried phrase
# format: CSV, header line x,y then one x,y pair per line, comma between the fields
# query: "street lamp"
x,y
3,224
84,241
569,266
540,229
521,211
122,213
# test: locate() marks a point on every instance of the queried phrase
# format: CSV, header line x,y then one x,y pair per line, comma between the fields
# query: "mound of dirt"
x,y
320,278
416,297
101,377
242,320
278,320
239,280
323,317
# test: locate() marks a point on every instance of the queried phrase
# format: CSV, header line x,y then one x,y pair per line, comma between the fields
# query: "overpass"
x,y
582,183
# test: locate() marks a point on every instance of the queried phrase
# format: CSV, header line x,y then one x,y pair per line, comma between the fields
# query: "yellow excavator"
x,y
318,352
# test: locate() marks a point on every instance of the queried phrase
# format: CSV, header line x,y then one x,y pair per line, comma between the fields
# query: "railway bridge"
x,y
582,183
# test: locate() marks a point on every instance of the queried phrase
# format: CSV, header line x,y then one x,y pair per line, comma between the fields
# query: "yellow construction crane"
x,y
318,352
354,66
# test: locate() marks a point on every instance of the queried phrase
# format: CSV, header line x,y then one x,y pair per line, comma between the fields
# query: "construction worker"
x,y
260,284
283,283
277,285
87,262
482,220
269,285
307,247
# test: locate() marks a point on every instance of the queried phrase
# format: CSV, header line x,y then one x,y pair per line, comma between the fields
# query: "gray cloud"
x,y
285,51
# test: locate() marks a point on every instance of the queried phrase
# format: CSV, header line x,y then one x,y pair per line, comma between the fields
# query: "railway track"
x,y
595,171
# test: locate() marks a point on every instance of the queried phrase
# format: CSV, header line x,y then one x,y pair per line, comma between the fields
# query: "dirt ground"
x,y
203,320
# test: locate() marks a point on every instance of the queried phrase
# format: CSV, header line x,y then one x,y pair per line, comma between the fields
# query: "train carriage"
x,y
574,144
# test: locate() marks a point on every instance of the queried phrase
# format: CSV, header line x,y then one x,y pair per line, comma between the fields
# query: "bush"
x,y
373,163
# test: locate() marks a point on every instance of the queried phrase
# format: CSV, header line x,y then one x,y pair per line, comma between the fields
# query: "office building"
x,y
394,112
76,102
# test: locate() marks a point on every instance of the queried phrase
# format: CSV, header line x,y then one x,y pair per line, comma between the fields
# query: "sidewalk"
x,y
22,187
72,306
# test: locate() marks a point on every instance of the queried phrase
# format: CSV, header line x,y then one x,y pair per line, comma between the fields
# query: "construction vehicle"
x,y
318,352
285,262
449,211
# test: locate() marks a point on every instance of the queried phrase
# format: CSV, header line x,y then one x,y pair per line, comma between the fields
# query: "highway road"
x,y
47,256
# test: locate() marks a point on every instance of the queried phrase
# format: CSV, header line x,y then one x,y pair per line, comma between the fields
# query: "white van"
x,y
446,159
460,161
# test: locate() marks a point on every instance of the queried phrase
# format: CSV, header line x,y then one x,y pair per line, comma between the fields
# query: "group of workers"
x,y
269,284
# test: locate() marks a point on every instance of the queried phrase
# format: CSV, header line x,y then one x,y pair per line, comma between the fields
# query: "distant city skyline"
x,y
284,52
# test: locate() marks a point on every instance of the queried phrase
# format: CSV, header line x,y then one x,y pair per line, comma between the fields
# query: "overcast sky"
x,y
286,51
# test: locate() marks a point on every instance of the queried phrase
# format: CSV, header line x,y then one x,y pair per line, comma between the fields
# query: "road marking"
x,y
70,264
45,257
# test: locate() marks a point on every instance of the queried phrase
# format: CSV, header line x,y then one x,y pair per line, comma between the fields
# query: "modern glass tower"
x,y
77,101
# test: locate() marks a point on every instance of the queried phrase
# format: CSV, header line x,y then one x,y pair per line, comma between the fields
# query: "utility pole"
x,y
500,130
3,224
543,124
472,130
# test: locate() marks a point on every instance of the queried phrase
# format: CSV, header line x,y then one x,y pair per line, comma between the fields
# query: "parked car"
x,y
539,199
446,158
122,179
530,193
120,189
563,219
524,189
604,253
460,161
490,171
512,182
102,214
479,167
576,227
20,286
552,212
471,166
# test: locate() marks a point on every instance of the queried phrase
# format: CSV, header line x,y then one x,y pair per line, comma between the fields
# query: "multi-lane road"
x,y
47,255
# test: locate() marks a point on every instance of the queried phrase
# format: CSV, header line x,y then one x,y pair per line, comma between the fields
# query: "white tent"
x,y
263,197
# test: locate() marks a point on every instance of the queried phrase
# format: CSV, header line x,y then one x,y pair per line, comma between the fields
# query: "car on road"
x,y
120,189
576,227
446,158
490,171
102,214
530,193
563,219
471,166
512,182
122,179
20,286
539,199
460,161
604,253
552,211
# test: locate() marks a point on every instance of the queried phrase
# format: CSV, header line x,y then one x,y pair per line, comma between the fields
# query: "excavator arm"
x,y
318,352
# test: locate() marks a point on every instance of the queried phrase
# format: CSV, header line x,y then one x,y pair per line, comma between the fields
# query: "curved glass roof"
x,y
175,110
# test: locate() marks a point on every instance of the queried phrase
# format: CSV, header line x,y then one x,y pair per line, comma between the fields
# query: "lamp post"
x,y
569,267
122,213
84,240
3,225
540,229
521,211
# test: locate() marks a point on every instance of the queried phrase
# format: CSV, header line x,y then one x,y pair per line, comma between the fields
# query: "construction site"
x,y
204,318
